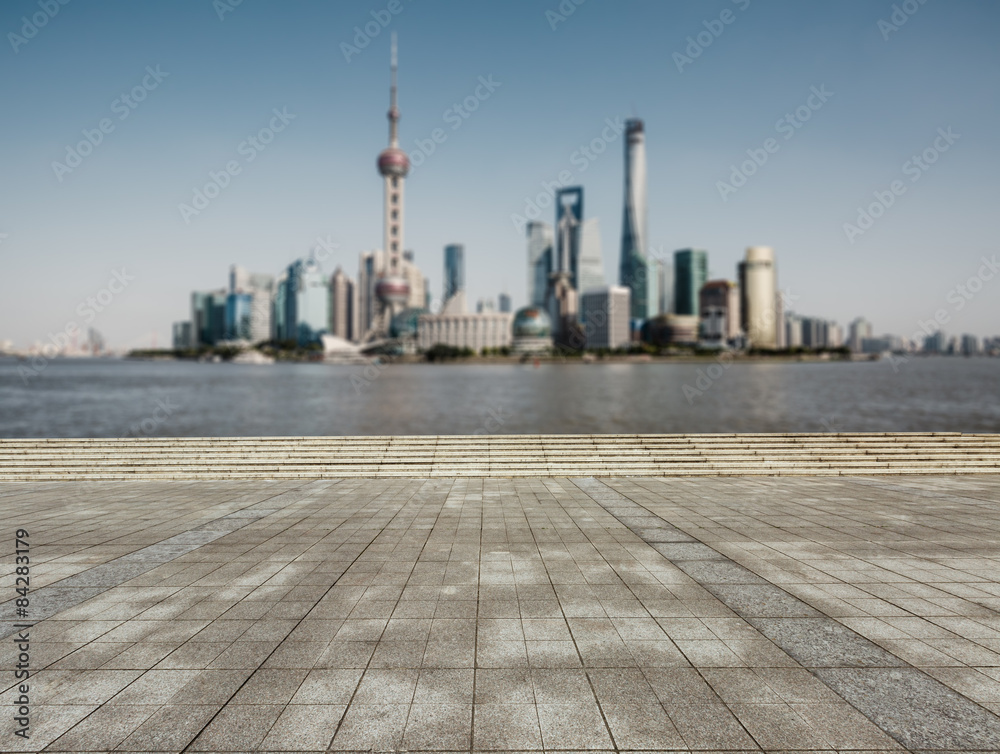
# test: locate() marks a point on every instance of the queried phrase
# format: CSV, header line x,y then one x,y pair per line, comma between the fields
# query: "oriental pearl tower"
x,y
392,289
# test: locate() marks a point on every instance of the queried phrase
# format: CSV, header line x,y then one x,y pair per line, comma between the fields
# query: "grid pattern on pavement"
x,y
472,614
913,707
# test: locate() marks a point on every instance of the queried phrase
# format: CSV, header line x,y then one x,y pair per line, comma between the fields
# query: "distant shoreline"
x,y
513,360
518,360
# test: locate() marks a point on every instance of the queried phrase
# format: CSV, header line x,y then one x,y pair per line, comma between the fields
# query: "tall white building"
x,y
415,279
793,331
342,306
665,286
859,330
260,288
590,270
606,317
759,302
834,335
635,269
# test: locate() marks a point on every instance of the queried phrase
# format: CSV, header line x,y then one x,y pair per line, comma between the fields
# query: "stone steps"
x,y
421,456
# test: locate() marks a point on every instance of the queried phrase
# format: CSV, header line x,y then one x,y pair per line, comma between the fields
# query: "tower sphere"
x,y
393,163
393,290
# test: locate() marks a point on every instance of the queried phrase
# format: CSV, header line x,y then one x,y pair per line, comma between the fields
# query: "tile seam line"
x,y
905,665
616,747
640,481
55,584
590,681
698,670
194,738
152,544
354,693
864,482
427,538
101,706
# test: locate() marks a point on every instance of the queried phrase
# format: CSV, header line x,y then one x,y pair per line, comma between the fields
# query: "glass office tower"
x,y
690,274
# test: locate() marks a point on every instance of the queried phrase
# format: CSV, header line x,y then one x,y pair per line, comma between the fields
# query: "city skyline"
x,y
118,211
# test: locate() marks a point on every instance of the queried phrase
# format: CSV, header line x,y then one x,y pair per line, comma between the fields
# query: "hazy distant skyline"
x,y
211,74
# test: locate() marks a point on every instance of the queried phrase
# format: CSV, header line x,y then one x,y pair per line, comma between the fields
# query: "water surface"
x,y
111,398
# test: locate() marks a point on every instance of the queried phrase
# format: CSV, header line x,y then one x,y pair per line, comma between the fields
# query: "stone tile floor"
x,y
709,615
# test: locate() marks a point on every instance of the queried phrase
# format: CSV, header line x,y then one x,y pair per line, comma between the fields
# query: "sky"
x,y
836,106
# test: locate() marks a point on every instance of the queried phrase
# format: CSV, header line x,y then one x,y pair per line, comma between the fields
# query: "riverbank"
x,y
683,357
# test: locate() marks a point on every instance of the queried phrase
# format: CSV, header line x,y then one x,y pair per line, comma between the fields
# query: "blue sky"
x,y
889,93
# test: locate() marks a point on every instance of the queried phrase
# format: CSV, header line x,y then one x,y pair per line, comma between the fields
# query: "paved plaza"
x,y
796,614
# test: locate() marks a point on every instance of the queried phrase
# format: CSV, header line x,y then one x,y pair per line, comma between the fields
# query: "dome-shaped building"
x,y
532,330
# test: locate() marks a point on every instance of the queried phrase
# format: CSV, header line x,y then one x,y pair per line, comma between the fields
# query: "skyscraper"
x,y
312,301
860,330
635,271
208,317
279,309
342,305
540,261
606,314
590,267
690,274
369,265
583,236
758,291
454,270
719,309
665,285
504,303
302,303
793,330
562,299
248,307
417,297
569,218
181,336
392,291
239,307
